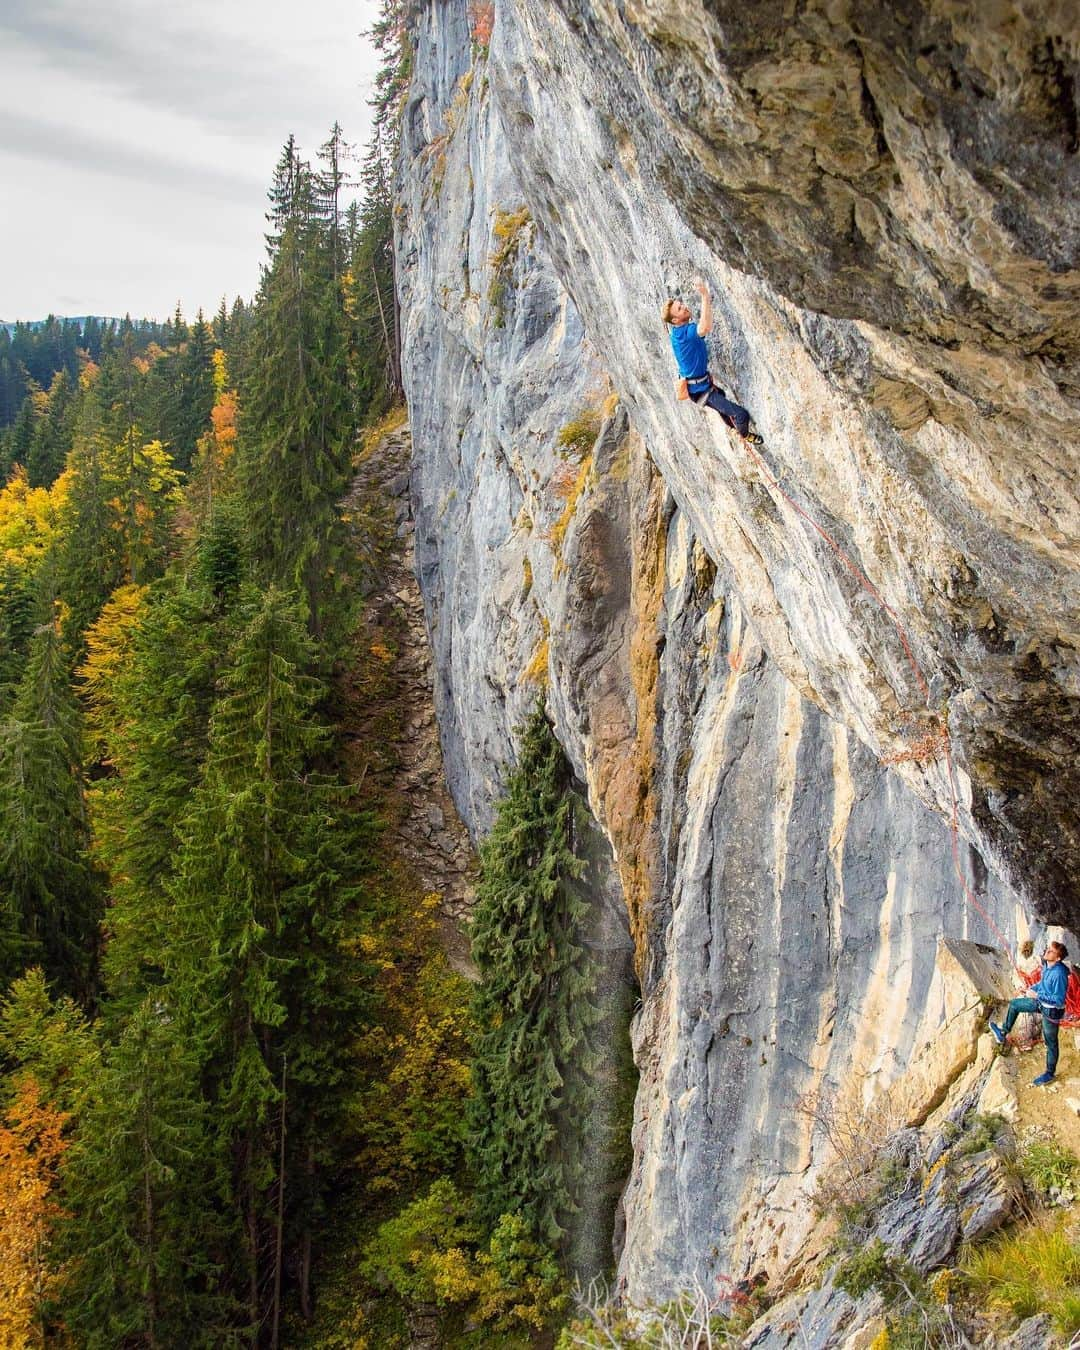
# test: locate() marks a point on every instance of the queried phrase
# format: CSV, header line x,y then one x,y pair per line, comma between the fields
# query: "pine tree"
x,y
532,1006
297,420
53,433
267,876
48,888
140,1183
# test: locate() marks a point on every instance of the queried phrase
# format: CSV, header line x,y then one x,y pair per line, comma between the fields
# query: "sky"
x,y
137,142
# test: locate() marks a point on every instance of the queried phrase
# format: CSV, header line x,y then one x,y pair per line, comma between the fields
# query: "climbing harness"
x,y
701,398
941,735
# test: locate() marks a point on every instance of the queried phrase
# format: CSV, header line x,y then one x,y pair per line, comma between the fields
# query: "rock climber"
x,y
1046,996
692,356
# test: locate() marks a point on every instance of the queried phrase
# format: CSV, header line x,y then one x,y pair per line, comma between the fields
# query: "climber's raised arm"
x,y
704,324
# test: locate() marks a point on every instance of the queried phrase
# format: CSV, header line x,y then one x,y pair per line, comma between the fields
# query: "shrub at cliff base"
x,y
1032,1269
433,1255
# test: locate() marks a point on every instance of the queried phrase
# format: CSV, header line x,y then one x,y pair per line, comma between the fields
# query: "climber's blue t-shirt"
x,y
691,354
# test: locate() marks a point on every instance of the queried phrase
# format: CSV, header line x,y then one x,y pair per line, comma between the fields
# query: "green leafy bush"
x,y
433,1252
874,1267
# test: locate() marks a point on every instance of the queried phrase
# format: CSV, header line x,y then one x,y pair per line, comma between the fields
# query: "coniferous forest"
x,y
245,1100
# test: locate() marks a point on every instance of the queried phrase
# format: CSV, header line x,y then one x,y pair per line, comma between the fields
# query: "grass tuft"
x,y
508,230
390,422
579,434
1048,1167
1032,1269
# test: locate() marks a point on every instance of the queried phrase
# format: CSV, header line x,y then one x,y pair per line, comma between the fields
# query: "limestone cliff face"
x,y
887,237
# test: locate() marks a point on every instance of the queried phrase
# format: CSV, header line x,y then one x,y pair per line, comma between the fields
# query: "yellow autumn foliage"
x,y
28,517
109,644
414,1060
31,1145
221,372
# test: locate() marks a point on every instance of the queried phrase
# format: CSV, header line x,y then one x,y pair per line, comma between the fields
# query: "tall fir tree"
x,y
270,869
53,433
49,891
144,1237
297,418
533,1008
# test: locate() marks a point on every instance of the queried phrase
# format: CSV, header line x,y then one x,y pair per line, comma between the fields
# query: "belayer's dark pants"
x,y
732,413
1051,1018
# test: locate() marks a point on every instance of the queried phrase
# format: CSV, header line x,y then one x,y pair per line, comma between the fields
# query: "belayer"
x,y
692,356
1047,996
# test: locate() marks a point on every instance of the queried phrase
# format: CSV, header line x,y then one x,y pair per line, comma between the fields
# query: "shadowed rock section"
x,y
723,686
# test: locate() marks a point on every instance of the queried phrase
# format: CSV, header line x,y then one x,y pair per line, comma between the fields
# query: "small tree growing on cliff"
x,y
533,1010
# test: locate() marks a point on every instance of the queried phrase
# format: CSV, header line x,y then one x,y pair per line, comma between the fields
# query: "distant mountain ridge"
x,y
11,324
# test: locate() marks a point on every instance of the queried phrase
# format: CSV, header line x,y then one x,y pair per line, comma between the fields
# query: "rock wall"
x,y
724,687
885,200
393,742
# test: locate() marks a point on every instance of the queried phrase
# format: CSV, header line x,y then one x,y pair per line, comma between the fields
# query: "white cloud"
x,y
134,171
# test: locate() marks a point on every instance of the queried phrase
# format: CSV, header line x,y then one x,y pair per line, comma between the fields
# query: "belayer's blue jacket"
x,y
1051,988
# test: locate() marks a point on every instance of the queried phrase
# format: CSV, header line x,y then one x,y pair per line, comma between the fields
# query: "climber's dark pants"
x,y
734,415
1051,1018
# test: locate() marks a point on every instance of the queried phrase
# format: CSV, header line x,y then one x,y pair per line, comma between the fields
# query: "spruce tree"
x,y
149,685
144,1234
117,518
195,395
21,437
532,1005
49,891
19,614
297,419
269,871
53,433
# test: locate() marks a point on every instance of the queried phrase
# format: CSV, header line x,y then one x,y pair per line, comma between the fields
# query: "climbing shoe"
x,y
1043,1079
997,1033
752,438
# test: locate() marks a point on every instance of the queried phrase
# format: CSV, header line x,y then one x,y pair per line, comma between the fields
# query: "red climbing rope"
x,y
943,736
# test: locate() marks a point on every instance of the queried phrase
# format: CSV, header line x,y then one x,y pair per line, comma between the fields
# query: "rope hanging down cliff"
x,y
939,734
687,340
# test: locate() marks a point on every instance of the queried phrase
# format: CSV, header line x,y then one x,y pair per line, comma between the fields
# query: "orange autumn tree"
x,y
31,1145
213,470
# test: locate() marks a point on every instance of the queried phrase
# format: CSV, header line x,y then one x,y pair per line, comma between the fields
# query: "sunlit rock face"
x,y
725,687
884,199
